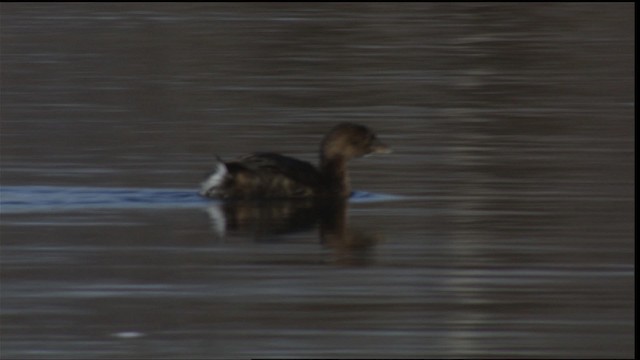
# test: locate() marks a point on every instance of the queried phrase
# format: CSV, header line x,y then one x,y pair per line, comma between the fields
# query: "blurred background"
x,y
512,128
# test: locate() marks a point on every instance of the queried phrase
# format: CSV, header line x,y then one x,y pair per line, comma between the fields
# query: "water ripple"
x,y
23,199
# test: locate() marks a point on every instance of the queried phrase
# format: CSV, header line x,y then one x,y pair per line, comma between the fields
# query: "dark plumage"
x,y
270,175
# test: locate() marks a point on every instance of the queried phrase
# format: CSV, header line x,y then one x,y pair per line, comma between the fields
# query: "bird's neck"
x,y
335,175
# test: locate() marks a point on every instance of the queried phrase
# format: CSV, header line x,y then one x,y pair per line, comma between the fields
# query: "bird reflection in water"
x,y
270,220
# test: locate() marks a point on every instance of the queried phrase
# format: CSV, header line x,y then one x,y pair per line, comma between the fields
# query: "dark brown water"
x,y
502,225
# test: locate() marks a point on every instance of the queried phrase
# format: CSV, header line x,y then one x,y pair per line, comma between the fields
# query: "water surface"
x,y
501,226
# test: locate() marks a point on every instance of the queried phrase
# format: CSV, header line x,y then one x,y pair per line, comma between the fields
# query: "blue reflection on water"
x,y
15,199
20,199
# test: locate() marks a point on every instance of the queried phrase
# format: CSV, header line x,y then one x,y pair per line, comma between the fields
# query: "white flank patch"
x,y
215,179
218,220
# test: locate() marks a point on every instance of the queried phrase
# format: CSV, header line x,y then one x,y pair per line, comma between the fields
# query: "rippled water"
x,y
501,226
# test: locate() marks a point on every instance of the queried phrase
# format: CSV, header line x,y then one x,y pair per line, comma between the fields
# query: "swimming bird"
x,y
270,176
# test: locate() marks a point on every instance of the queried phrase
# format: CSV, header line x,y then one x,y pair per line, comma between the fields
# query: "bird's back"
x,y
264,175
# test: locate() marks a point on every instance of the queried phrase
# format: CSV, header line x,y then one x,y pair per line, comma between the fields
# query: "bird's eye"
x,y
371,139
